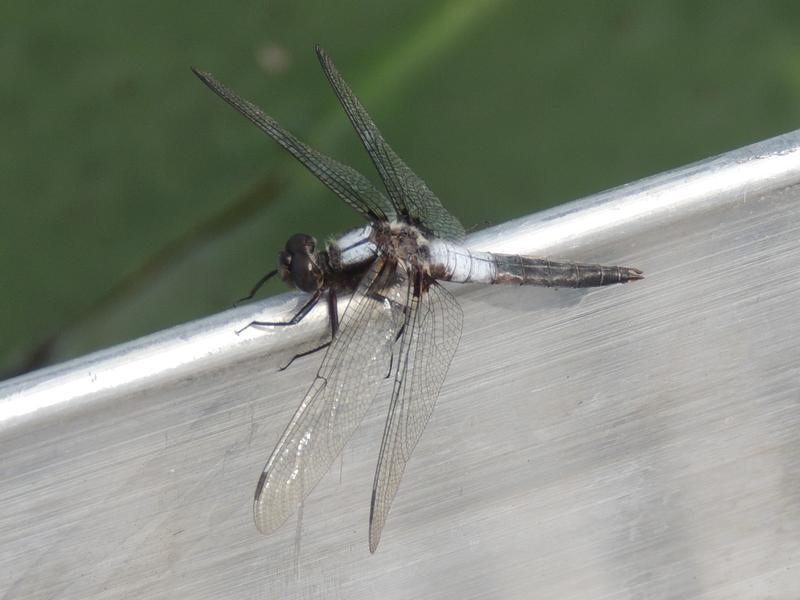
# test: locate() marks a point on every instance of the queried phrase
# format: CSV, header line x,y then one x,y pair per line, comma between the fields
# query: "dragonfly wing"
x,y
347,183
430,336
345,385
412,198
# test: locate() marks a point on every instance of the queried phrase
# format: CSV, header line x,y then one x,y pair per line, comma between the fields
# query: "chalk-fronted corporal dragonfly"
x,y
399,324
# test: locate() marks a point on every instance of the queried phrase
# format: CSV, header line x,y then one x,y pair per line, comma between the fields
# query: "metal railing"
x,y
631,441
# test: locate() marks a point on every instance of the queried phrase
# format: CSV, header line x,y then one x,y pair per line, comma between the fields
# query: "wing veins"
x,y
344,181
433,334
409,194
335,402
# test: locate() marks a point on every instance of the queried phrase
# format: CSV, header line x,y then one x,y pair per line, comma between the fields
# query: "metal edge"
x,y
649,202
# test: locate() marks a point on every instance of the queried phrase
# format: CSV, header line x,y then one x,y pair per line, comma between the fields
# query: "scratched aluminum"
x,y
627,443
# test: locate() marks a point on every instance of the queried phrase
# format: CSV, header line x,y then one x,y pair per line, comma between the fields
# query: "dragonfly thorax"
x,y
404,242
299,265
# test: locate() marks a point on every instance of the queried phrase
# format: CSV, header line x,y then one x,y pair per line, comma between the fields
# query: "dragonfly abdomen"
x,y
526,270
455,263
451,262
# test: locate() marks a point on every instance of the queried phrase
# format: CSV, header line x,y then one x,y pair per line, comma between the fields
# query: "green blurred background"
x,y
133,199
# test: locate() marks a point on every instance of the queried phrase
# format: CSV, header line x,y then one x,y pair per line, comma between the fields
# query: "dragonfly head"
x,y
298,264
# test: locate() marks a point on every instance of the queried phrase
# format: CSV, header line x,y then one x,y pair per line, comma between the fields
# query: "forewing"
x,y
410,195
347,183
429,341
347,381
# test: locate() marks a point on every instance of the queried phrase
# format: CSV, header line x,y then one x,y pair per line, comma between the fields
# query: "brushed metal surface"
x,y
636,441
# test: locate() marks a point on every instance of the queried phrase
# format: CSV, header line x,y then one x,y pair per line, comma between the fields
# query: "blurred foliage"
x,y
133,199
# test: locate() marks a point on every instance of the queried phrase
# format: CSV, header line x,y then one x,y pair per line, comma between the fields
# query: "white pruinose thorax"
x,y
446,260
356,246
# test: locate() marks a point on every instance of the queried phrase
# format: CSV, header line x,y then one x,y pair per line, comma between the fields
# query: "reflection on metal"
x,y
562,457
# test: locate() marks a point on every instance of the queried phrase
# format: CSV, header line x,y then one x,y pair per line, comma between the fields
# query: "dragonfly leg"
x,y
293,321
333,316
256,287
302,354
333,312
391,356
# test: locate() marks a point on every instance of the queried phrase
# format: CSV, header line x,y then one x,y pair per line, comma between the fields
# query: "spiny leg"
x,y
256,287
302,354
391,356
333,318
333,311
301,314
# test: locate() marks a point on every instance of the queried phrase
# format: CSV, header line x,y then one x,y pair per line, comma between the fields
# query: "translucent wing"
x,y
431,334
347,381
347,183
411,197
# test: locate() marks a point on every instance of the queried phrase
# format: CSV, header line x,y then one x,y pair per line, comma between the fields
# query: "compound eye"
x,y
285,266
305,275
300,243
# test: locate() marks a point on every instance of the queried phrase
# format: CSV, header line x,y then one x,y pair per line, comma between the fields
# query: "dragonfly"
x,y
400,322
